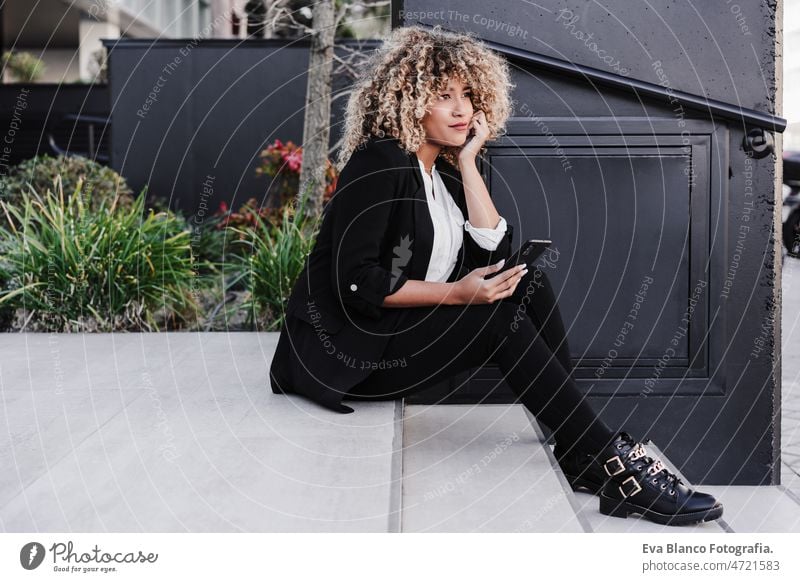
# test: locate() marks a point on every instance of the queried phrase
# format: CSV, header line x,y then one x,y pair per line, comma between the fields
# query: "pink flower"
x,y
294,160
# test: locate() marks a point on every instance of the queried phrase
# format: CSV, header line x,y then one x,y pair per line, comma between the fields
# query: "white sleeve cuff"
x,y
487,238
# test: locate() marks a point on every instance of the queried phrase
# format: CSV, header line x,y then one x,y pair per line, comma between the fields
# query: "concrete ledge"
x,y
180,432
479,469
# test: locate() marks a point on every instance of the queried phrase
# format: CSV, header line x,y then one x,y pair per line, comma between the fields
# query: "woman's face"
x,y
446,120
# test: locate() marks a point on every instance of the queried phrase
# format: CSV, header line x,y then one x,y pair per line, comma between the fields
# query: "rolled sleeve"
x,y
487,238
476,256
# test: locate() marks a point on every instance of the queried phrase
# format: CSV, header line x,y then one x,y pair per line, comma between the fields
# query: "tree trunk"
x,y
316,128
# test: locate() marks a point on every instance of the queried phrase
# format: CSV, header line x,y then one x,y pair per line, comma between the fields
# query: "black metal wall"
x,y
667,265
189,117
44,118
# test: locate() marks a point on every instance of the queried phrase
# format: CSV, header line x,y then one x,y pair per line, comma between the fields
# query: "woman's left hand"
x,y
472,147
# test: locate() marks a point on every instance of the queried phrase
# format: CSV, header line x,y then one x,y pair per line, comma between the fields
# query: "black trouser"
x,y
436,342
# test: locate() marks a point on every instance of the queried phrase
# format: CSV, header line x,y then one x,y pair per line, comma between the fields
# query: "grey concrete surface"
x,y
479,469
177,432
180,432
790,376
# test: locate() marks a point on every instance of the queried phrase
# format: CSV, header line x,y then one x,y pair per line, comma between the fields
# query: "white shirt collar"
x,y
422,167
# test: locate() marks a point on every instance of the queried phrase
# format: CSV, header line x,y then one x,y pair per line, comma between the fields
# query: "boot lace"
x,y
655,468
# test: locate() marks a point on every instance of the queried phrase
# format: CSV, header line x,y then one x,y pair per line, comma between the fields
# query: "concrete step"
x,y
767,508
480,468
757,509
180,432
194,441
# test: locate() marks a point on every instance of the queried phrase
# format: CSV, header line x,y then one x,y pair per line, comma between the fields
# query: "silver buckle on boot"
x,y
620,466
635,483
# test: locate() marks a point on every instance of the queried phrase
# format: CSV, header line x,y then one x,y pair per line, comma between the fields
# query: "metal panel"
x,y
598,165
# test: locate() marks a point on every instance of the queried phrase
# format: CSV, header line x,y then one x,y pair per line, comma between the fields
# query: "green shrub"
x,y
211,240
23,66
275,258
68,268
207,242
100,184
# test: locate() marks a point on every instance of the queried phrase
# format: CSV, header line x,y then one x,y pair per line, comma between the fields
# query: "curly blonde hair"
x,y
403,77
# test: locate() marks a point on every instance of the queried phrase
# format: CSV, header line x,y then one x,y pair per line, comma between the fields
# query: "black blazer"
x,y
376,233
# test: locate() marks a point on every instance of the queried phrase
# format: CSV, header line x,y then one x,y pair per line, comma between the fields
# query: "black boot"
x,y
581,469
638,483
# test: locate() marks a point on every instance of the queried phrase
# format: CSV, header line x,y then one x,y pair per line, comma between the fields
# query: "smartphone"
x,y
527,253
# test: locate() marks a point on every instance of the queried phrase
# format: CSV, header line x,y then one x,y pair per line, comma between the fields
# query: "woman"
x,y
393,297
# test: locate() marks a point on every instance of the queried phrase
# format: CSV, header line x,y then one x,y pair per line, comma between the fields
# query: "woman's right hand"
x,y
473,288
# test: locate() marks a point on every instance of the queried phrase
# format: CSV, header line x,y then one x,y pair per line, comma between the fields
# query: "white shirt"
x,y
449,226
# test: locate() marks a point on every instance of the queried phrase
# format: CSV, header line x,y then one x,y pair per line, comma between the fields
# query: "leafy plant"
x,y
99,184
282,162
275,258
247,216
23,66
69,268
